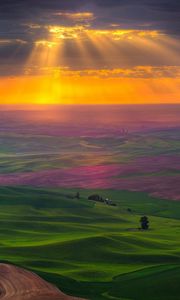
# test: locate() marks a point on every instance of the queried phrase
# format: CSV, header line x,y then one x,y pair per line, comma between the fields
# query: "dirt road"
x,y
19,284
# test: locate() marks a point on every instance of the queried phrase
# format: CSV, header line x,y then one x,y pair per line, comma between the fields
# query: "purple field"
x,y
132,177
134,148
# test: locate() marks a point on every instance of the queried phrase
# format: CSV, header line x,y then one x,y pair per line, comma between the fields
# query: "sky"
x,y
89,52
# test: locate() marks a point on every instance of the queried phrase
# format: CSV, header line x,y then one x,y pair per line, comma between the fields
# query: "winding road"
x,y
19,284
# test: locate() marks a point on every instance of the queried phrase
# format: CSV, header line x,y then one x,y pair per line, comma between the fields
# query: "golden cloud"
x,y
79,16
82,31
119,34
45,43
63,32
136,72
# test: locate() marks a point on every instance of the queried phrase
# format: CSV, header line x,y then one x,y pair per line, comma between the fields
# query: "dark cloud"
x,y
161,15
24,8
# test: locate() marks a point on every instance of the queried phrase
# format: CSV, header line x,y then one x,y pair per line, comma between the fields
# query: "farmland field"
x,y
90,249
86,248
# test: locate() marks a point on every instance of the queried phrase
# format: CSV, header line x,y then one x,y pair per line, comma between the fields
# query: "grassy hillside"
x,y
92,250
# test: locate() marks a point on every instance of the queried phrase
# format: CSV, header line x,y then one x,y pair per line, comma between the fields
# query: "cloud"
x,y
136,72
161,14
11,41
64,32
85,32
77,16
45,43
94,34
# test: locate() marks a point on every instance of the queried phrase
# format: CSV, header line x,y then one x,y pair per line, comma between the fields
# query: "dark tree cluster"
x,y
98,198
144,223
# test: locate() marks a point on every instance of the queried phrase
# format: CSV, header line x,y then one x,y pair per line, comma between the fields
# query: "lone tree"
x,y
144,223
77,195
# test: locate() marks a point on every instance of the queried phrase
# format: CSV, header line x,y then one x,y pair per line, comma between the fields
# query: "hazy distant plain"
x,y
134,148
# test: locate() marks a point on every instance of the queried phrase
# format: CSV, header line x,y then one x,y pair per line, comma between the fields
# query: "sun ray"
x,y
73,63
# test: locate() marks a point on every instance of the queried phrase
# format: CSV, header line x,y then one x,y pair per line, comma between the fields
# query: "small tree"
x,y
144,223
77,195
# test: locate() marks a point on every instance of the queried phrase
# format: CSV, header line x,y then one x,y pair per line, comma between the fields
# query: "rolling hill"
x,y
89,249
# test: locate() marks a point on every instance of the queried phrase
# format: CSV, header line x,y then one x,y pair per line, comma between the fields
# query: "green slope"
x,y
92,250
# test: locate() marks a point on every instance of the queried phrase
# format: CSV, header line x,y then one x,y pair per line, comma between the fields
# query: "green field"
x,y
90,249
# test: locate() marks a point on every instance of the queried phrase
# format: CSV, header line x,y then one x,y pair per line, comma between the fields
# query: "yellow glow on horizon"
x,y
88,90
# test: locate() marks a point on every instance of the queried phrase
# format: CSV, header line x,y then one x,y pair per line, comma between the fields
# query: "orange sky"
x,y
88,90
78,65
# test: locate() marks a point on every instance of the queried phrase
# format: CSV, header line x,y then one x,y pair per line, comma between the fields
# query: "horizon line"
x,y
51,107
